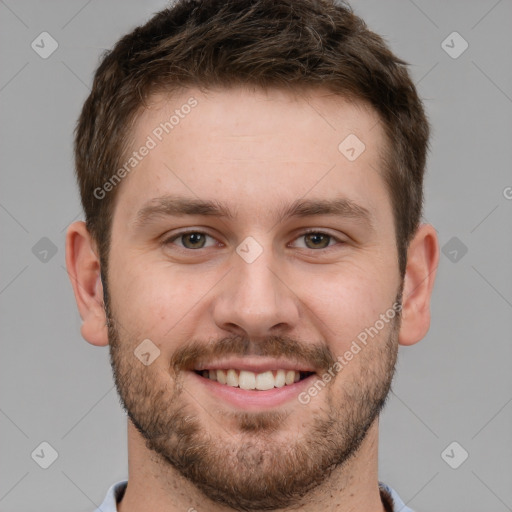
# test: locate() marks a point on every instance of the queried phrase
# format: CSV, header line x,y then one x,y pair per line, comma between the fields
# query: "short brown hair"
x,y
265,43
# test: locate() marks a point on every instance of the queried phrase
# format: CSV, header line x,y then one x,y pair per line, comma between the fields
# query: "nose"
x,y
255,300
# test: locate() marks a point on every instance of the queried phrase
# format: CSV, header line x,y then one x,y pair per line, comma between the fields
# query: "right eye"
x,y
191,240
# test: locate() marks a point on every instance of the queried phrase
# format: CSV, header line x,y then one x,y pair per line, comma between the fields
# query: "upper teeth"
x,y
250,380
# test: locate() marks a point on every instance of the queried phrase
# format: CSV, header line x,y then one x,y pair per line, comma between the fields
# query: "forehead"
x,y
252,149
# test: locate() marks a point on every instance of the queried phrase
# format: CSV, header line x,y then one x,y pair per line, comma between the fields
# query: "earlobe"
x,y
422,263
83,268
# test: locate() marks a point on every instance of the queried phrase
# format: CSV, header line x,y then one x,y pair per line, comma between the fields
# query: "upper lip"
x,y
256,365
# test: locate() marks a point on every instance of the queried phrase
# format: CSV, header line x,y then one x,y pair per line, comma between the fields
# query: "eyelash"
x,y
174,237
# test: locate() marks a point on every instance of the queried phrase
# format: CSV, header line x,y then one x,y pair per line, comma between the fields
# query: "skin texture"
x,y
302,298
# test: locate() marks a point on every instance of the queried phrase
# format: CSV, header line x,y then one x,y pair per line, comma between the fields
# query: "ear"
x,y
83,266
420,273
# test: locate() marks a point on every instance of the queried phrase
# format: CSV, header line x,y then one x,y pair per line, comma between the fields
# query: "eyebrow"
x,y
177,206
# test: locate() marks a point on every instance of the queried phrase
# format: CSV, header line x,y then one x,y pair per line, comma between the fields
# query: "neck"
x,y
154,485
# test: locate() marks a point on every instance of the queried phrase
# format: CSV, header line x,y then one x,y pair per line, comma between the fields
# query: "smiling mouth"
x,y
263,381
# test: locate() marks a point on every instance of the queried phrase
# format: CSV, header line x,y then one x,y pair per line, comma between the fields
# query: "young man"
x,y
251,174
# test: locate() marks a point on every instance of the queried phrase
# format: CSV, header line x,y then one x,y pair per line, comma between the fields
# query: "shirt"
x,y
116,493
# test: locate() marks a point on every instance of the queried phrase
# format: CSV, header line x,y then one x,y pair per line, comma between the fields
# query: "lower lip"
x,y
249,399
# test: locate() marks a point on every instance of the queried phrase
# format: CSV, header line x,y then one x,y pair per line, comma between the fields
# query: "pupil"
x,y
317,237
195,238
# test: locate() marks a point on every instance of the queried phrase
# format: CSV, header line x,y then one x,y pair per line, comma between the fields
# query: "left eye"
x,y
317,239
197,240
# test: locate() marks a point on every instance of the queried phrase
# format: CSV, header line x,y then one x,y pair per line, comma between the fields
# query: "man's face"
x,y
254,292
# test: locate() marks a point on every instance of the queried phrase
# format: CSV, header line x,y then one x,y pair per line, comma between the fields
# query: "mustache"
x,y
318,355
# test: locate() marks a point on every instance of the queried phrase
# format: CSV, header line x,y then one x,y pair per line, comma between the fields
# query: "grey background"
x,y
455,385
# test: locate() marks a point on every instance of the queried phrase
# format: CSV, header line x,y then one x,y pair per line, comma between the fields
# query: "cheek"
x,y
152,298
347,302
163,303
